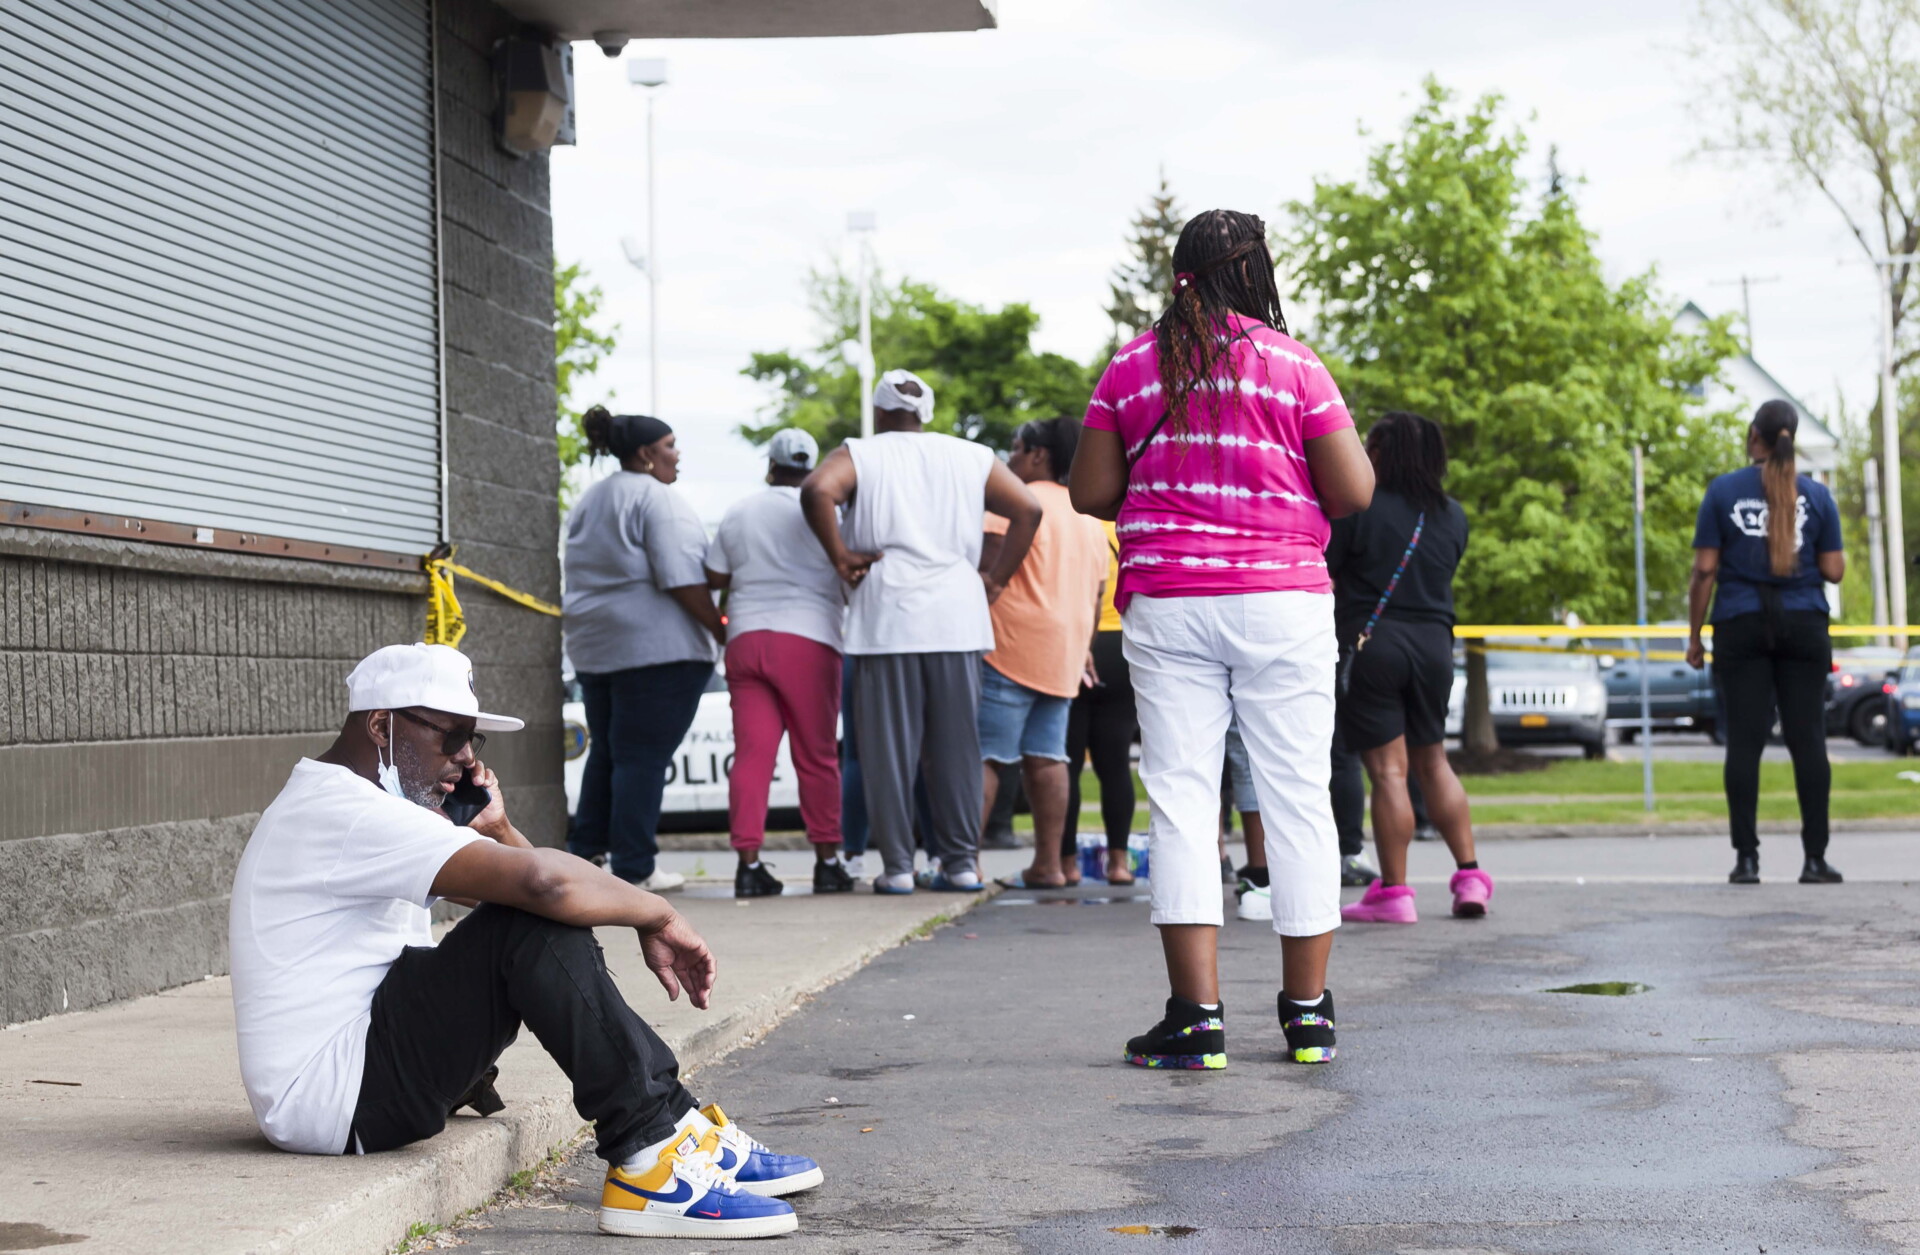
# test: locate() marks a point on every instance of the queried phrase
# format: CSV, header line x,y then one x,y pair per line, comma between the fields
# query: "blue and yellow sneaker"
x,y
1190,1037
684,1195
1309,1030
749,1165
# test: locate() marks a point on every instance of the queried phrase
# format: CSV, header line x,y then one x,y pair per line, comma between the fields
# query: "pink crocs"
x,y
1472,890
1382,904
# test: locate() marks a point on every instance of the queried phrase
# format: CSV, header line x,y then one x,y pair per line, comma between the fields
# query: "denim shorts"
x,y
1016,722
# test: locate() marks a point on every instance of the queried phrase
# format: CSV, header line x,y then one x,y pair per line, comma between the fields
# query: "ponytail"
x,y
1774,426
620,436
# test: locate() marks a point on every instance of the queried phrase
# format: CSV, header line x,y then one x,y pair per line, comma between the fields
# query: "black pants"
x,y
636,720
1348,785
1101,724
1763,663
445,1013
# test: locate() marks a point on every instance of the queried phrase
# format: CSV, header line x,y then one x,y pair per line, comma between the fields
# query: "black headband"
x,y
633,432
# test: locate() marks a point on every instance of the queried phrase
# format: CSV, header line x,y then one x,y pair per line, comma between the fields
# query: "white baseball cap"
x,y
437,677
794,448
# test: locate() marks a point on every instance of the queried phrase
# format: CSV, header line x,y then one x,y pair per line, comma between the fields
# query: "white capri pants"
x,y
1269,659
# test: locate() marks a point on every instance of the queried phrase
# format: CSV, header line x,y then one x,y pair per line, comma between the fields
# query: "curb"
x,y
1680,828
462,1173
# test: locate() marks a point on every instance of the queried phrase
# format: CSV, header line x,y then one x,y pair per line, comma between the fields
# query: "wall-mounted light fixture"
x,y
534,89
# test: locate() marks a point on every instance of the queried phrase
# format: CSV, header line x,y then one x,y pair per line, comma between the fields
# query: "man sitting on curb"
x,y
358,1034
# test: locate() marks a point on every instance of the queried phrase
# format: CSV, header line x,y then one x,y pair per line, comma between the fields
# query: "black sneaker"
x,y
1356,872
1190,1038
832,878
1309,1032
756,882
1818,871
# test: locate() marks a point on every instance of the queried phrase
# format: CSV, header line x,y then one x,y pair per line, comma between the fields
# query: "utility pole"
x,y
1890,503
1876,547
1746,299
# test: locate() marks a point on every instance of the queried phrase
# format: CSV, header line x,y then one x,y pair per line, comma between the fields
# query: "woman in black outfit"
x,y
1394,712
1767,540
1101,724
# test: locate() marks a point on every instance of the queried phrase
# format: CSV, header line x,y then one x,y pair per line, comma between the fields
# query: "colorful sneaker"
x,y
1472,890
749,1165
684,1195
940,880
1309,1030
1256,901
1382,904
899,884
1190,1038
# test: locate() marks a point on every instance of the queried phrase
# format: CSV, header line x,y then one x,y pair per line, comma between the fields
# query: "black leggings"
x,y
443,1014
1763,663
1102,724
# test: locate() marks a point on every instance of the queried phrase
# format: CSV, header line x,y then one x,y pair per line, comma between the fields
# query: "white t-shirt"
x,y
335,882
920,503
782,581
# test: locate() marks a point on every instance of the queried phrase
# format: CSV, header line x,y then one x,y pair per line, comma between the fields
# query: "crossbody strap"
x,y
1366,633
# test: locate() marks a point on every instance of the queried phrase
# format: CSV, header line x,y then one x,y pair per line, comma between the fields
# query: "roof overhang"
x,y
751,19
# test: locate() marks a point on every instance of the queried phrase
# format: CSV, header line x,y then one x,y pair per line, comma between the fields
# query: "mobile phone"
x,y
467,800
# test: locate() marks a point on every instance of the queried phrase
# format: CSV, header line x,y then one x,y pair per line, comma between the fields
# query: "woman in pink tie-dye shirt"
x,y
1222,447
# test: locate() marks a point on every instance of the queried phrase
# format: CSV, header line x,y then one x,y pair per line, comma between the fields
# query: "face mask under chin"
x,y
424,794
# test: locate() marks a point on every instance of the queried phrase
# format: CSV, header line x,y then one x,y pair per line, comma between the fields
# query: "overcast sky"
x,y
1004,165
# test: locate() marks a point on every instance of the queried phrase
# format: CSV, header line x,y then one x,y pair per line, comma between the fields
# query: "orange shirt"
x,y
1043,622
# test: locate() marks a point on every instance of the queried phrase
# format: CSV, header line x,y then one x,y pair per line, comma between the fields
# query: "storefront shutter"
x,y
218,278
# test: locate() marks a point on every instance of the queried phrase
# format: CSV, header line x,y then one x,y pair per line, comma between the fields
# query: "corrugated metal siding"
x,y
218,298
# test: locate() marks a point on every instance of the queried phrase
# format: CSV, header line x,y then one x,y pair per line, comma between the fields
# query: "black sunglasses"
x,y
456,740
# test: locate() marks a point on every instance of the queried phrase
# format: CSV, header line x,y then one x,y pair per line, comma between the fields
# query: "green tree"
x,y
1829,92
1139,286
1443,287
579,347
986,377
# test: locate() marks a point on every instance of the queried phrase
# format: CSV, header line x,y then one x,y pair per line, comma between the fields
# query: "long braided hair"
x,y
1221,267
1410,457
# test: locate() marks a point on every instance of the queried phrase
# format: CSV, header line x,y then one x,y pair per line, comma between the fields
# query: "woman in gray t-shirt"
x,y
642,633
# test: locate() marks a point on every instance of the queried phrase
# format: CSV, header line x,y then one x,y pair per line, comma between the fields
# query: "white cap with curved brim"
x,y
436,677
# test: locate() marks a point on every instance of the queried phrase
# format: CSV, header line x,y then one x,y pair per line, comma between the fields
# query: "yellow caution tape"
x,y
1670,632
446,623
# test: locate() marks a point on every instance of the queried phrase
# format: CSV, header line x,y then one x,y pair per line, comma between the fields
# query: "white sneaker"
x,y
1256,902
662,881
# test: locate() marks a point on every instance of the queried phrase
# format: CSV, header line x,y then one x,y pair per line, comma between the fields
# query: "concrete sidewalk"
x,y
127,1129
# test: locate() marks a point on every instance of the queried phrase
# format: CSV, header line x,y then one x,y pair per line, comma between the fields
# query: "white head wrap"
x,y
887,395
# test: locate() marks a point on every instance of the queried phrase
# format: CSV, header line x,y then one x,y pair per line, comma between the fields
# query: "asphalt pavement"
x,y
966,1092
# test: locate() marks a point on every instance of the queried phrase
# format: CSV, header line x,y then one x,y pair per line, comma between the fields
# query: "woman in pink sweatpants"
x,y
785,606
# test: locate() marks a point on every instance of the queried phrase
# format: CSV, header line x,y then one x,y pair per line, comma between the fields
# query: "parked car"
x,y
1903,707
1857,693
1678,697
1547,697
696,793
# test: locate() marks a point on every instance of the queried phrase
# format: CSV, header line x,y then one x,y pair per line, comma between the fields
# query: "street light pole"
x,y
861,224
1640,599
1876,542
651,73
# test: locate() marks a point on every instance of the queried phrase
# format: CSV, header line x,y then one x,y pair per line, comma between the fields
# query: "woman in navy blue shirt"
x,y
1766,545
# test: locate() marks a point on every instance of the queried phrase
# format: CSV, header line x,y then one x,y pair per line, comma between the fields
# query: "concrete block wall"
x,y
503,475
152,699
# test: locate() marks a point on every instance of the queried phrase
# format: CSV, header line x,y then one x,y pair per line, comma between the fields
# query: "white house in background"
x,y
1747,386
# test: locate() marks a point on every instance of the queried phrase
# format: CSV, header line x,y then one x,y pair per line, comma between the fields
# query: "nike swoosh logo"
x,y
728,1160
682,1191
711,1215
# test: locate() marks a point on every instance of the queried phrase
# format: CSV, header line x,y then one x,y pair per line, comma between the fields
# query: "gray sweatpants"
x,y
920,713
